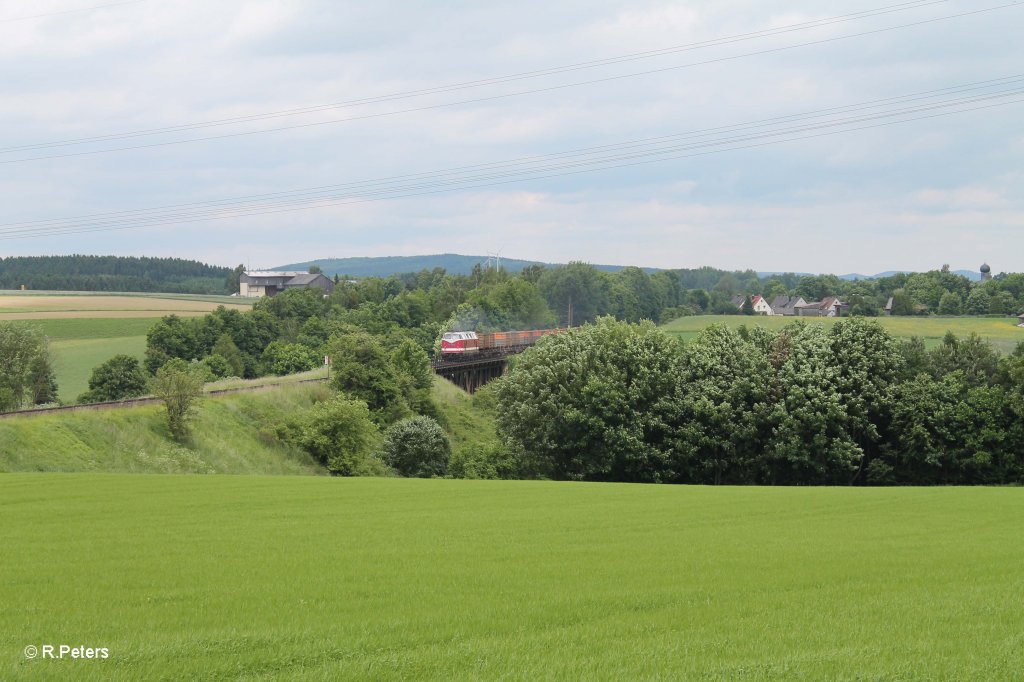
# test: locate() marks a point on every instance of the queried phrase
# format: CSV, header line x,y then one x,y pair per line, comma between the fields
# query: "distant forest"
x,y
115,273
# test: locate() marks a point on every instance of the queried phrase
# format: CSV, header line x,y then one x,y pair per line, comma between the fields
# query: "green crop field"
x,y
1001,331
74,360
318,578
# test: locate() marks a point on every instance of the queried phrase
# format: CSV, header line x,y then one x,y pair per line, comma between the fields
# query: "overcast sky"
x,y
915,195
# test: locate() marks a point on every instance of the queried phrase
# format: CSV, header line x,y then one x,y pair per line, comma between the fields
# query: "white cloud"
x,y
904,196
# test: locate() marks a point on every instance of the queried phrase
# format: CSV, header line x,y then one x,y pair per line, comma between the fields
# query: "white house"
x,y
761,306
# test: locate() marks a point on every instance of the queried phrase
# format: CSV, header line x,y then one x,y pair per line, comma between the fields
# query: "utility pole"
x,y
570,311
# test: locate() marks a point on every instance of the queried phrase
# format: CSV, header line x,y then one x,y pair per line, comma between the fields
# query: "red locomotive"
x,y
456,344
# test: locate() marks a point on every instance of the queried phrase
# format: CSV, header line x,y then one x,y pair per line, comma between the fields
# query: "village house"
x,y
786,305
269,283
829,307
761,306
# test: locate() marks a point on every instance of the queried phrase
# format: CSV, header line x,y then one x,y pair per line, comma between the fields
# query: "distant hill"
x,y
113,273
969,274
456,264
385,266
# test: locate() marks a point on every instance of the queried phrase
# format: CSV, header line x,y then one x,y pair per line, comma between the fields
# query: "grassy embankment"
x,y
87,329
233,433
215,577
1002,332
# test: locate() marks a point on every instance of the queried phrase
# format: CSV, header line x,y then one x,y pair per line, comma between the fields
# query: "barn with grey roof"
x,y
270,282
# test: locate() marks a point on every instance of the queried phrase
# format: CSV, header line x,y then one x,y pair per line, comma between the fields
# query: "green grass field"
x,y
1002,332
260,578
74,360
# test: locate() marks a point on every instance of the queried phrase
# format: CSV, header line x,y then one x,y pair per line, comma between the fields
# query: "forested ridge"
x,y
114,273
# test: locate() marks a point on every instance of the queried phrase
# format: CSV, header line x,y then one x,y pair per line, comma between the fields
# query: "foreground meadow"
x,y
194,577
1002,332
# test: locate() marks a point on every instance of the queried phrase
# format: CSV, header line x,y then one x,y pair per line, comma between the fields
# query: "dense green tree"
x,y
178,385
510,304
727,286
868,365
415,377
171,337
114,273
721,304
232,281
362,368
289,358
950,304
118,378
340,434
748,306
811,442
915,357
417,447
902,303
42,381
218,367
698,298
817,287
26,375
294,304
773,288
949,432
577,292
1002,303
593,403
973,356
226,349
725,388
978,302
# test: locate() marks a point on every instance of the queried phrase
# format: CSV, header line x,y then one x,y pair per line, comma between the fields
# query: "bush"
x,y
219,367
118,378
417,447
225,348
340,435
361,367
178,384
288,358
484,461
25,370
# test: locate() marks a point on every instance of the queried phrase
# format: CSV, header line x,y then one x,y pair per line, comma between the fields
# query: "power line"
x,y
155,131
76,226
495,80
73,11
1018,81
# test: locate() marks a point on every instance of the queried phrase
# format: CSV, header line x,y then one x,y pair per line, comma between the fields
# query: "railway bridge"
x,y
471,373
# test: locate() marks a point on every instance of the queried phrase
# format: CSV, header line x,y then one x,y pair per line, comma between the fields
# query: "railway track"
x,y
145,400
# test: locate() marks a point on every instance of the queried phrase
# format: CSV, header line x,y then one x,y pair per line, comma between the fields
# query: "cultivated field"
x,y
87,329
326,578
40,306
1001,331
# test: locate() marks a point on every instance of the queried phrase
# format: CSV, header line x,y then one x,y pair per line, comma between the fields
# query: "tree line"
x,y
808,405
115,273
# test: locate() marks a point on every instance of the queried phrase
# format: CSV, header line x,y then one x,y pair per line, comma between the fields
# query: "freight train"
x,y
462,344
